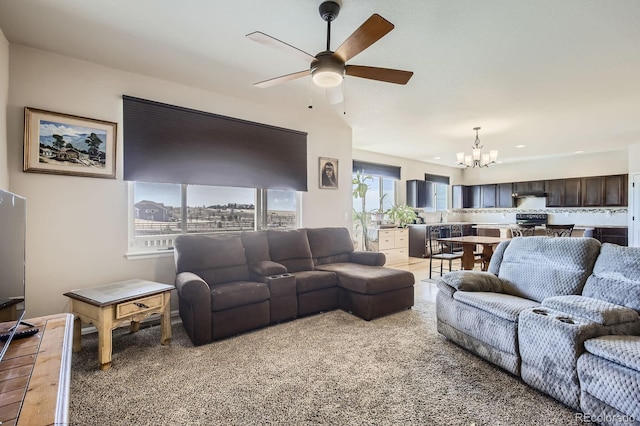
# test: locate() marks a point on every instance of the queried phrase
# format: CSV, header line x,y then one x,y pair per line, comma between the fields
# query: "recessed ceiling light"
x,y
520,146
579,152
437,158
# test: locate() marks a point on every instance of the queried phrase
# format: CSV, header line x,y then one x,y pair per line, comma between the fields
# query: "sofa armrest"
x,y
596,310
267,267
367,258
473,281
194,298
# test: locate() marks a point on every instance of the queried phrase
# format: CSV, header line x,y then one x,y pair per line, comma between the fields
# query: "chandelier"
x,y
477,158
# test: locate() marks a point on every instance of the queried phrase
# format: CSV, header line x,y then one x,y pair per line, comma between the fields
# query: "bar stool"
x,y
559,230
522,231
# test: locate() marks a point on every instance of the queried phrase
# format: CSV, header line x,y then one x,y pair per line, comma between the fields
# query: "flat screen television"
x,y
13,225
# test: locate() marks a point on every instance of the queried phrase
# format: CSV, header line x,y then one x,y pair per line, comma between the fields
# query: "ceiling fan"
x,y
328,68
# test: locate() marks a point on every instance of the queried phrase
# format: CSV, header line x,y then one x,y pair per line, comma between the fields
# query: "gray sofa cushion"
x,y
291,248
595,310
215,258
503,306
623,350
616,276
330,245
365,279
473,281
307,281
238,293
539,267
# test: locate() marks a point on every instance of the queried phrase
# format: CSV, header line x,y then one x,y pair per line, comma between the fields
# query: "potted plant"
x,y
360,189
402,215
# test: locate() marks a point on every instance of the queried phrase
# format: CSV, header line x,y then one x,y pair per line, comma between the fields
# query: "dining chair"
x,y
559,230
522,231
440,251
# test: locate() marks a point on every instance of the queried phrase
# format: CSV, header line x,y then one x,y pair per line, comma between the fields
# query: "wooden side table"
x,y
109,306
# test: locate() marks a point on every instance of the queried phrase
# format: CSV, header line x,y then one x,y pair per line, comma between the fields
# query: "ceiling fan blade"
x,y
267,40
381,74
334,95
368,33
282,79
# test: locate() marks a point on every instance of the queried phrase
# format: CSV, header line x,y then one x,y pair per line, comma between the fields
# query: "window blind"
x,y
436,178
172,144
374,169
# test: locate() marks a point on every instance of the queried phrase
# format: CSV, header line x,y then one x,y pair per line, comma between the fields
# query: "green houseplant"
x,y
402,215
360,189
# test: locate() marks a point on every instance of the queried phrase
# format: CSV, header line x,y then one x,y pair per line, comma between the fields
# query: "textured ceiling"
x,y
557,76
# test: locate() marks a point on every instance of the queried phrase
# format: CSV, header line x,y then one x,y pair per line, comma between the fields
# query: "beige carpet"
x,y
331,368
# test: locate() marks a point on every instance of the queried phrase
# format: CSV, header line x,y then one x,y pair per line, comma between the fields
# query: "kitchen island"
x,y
503,230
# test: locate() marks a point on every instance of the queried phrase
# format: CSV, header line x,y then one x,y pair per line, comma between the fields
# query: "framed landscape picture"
x,y
328,173
66,144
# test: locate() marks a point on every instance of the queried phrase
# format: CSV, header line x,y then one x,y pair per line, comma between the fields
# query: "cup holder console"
x,y
540,312
565,319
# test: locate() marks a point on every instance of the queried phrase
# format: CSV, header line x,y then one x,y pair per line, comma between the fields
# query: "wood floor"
x,y
426,290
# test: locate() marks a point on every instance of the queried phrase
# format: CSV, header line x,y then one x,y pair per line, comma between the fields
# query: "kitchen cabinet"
x,y
393,242
528,187
420,194
475,196
488,196
612,235
604,191
504,195
460,197
564,192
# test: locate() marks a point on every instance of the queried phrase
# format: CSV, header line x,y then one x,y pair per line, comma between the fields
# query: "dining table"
x,y
469,242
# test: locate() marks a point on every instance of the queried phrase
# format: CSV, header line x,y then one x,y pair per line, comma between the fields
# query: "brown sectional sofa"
x,y
230,283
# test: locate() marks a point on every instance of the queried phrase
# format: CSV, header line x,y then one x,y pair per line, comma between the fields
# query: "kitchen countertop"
x,y
508,225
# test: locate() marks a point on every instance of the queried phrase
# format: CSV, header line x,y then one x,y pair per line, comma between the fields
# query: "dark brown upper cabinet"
x,y
420,194
564,192
604,191
528,187
488,196
504,195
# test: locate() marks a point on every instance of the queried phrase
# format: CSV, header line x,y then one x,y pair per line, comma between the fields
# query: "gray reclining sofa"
x,y
561,313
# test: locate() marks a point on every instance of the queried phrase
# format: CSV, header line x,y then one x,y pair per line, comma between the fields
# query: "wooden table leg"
x,y
467,256
487,252
77,334
104,326
165,321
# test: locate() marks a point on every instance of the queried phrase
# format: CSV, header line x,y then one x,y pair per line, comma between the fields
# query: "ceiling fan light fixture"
x,y
327,78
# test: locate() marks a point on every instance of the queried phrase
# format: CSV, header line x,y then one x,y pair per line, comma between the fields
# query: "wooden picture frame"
x,y
328,176
65,144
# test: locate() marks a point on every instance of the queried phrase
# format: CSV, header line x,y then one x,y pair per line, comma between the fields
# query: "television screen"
x,y
13,221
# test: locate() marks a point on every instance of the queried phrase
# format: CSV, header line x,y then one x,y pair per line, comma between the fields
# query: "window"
x,y
161,211
440,196
380,196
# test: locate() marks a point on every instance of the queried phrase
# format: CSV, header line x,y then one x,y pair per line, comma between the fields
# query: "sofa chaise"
x,y
561,313
231,283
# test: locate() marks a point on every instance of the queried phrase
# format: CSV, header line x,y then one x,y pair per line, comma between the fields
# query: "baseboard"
x,y
147,322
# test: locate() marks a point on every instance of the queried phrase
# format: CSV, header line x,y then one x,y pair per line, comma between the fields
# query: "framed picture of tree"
x,y
66,144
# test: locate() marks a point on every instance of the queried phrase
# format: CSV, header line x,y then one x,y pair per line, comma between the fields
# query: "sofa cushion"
x,y
314,280
256,246
291,248
239,293
330,245
365,279
216,258
616,276
623,350
595,310
504,306
539,267
473,281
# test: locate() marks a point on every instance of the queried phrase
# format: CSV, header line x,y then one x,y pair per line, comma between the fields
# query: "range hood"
x,y
523,194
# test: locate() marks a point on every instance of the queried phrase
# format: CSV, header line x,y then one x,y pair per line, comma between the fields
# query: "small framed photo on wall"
x,y
328,173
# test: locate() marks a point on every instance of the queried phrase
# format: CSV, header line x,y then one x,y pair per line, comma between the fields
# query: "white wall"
x,y
77,227
579,165
4,94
